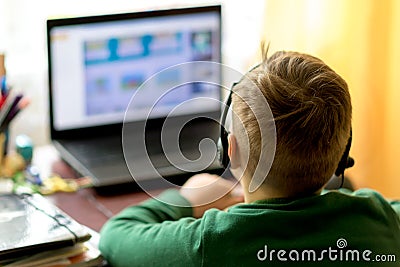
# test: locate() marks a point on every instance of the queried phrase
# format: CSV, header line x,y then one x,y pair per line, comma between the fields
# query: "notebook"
x,y
98,63
84,254
31,224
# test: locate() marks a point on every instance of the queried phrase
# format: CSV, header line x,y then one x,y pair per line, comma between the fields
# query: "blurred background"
x,y
359,39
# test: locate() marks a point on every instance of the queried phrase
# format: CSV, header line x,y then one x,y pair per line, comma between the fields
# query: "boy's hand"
x,y
205,191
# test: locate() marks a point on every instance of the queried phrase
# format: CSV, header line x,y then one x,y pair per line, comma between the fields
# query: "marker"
x,y
3,85
4,90
23,103
9,105
2,100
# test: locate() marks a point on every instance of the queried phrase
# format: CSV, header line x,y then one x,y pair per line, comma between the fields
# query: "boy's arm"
x,y
160,234
153,233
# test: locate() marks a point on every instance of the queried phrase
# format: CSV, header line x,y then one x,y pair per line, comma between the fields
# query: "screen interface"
x,y
97,67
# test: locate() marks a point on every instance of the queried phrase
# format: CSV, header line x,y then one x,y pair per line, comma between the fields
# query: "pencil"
x,y
10,104
23,103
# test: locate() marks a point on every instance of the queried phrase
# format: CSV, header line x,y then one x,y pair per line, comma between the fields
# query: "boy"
x,y
288,220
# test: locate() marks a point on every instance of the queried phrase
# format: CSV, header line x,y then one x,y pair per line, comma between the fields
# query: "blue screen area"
x,y
97,67
116,67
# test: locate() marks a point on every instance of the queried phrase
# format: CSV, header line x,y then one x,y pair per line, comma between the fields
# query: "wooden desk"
x,y
93,210
85,206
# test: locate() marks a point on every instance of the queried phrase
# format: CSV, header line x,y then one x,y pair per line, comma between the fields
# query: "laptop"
x,y
114,83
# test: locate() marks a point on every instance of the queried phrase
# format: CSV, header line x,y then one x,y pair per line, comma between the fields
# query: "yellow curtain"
x,y
359,39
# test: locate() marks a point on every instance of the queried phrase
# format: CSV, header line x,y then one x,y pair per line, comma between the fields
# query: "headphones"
x,y
222,146
345,161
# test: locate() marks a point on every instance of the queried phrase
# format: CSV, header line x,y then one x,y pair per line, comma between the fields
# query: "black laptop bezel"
x,y
115,128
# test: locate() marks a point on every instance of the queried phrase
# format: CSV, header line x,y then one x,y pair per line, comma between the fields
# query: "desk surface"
x,y
85,206
93,210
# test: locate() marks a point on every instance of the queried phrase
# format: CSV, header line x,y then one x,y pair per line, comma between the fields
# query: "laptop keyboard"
x,y
103,158
95,147
95,152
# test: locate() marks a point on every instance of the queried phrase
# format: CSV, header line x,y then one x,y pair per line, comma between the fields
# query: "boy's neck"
x,y
267,192
262,193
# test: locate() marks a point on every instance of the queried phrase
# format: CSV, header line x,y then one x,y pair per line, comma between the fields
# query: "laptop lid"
x,y
96,64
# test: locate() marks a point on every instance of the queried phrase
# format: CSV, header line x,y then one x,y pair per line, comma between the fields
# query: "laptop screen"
x,y
97,63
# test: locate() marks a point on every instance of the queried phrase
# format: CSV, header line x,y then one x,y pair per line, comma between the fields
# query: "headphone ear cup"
x,y
342,164
223,149
350,162
222,145
345,161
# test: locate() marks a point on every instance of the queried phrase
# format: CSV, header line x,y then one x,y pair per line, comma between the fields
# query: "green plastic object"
x,y
24,147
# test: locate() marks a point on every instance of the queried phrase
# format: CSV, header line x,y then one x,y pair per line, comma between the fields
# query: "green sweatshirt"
x,y
331,229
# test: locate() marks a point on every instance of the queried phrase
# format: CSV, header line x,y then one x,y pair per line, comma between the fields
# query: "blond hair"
x,y
311,107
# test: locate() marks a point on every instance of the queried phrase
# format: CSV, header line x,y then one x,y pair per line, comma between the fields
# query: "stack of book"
x,y
35,233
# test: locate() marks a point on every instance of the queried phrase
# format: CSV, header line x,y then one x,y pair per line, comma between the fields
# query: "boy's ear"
x,y
233,151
